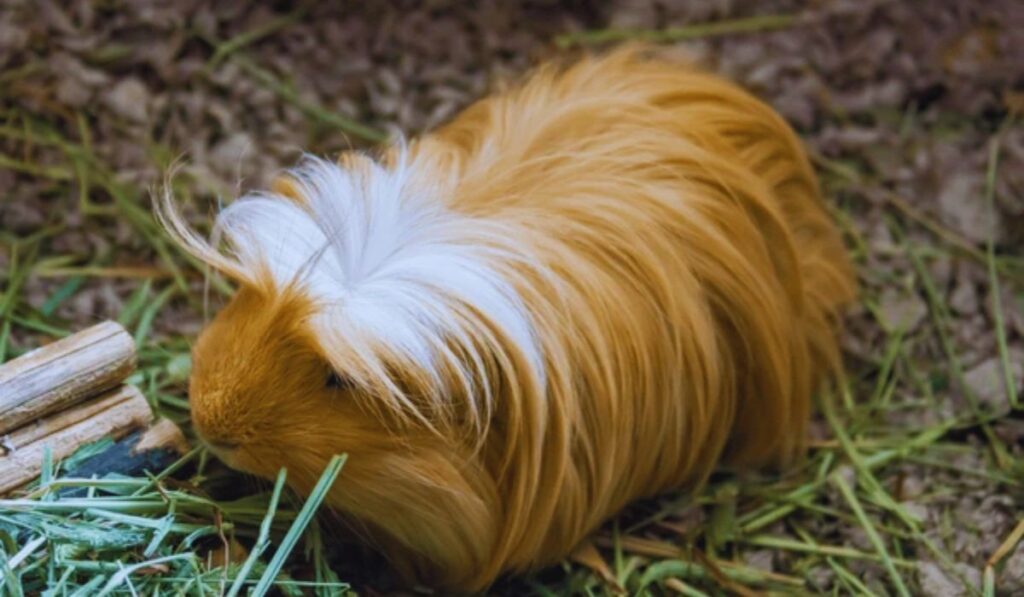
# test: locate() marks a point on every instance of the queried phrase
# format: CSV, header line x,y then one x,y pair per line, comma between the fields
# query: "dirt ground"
x,y
911,111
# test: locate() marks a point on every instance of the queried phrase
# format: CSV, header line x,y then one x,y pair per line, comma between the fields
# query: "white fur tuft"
x,y
387,264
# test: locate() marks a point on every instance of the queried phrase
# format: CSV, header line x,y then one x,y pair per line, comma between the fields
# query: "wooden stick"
x,y
61,374
114,414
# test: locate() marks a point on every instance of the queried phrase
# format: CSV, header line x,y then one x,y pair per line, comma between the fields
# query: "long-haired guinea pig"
x,y
594,286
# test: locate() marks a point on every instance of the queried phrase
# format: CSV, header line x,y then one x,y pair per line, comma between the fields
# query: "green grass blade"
x,y
263,540
873,536
316,497
993,277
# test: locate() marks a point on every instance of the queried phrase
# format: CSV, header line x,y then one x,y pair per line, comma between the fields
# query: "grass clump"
x,y
120,535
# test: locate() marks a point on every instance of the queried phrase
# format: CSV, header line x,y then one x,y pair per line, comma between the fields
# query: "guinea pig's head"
x,y
352,331
262,394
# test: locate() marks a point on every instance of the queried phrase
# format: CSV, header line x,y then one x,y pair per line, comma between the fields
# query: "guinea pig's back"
x,y
686,274
650,142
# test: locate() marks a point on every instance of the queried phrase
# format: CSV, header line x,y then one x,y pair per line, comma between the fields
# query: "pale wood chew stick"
x,y
162,434
56,376
115,414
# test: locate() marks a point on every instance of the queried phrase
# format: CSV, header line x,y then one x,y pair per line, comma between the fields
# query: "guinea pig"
x,y
596,285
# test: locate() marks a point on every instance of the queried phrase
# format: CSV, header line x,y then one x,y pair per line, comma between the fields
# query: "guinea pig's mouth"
x,y
221,445
215,440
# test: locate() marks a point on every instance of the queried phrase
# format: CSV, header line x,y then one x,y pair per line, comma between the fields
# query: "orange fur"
x,y
681,277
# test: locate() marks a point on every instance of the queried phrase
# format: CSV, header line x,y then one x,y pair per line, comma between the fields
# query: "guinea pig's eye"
x,y
337,382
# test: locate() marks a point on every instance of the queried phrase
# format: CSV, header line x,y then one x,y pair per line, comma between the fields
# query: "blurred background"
x,y
910,110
